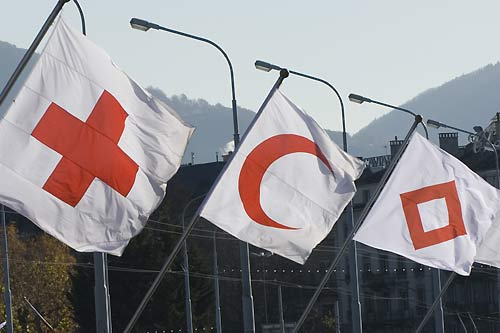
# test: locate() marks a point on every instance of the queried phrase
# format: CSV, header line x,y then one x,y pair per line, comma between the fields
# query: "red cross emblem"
x,y
454,229
89,149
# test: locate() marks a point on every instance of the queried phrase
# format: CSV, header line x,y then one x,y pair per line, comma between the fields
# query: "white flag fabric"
x,y
286,184
433,210
85,152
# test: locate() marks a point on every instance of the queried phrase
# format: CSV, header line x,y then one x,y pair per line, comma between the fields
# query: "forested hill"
x,y
468,100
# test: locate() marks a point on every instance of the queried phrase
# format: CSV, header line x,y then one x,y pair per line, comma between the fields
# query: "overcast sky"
x,y
389,50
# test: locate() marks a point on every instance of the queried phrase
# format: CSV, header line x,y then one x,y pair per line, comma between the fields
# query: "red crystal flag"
x,y
433,210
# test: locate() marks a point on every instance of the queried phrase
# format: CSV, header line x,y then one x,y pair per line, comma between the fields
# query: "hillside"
x,y
469,100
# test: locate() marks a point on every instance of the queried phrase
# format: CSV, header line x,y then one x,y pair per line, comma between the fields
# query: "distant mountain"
x,y
10,56
469,100
214,124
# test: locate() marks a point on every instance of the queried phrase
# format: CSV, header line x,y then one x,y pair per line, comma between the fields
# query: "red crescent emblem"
x,y
256,165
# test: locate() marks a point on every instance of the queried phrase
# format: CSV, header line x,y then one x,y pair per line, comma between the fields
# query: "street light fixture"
x,y
355,98
358,99
433,123
266,67
139,24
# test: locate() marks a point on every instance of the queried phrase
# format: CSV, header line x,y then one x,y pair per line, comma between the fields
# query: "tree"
x,y
40,270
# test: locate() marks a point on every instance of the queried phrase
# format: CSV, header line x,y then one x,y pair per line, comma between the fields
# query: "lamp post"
x,y
144,25
354,271
361,99
247,298
218,320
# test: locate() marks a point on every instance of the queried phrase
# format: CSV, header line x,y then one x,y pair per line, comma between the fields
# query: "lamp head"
x,y
139,24
478,129
265,66
433,123
358,99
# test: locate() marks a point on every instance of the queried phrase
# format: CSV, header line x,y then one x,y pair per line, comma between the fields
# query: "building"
x,y
395,292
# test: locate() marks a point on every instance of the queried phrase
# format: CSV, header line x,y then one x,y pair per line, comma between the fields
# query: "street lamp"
x,y
357,321
480,134
266,67
143,25
355,98
248,309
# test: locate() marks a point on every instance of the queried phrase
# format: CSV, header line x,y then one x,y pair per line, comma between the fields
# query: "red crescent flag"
x,y
433,210
285,186
85,152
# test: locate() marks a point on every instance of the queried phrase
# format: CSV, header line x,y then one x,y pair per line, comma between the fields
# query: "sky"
x,y
388,50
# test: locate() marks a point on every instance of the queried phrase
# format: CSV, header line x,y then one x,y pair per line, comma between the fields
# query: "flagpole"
x,y
436,302
218,321
383,181
189,312
8,296
166,266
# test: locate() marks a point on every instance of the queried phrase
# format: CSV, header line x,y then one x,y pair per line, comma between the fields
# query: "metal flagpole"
x,y
6,276
383,181
38,314
280,307
164,269
462,322
101,294
436,302
166,266
439,314
218,322
3,95
189,313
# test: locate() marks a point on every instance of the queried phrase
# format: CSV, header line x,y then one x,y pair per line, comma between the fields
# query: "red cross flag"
x,y
85,152
433,210
286,185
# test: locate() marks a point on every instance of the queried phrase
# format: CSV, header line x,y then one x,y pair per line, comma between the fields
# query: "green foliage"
x,y
40,270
